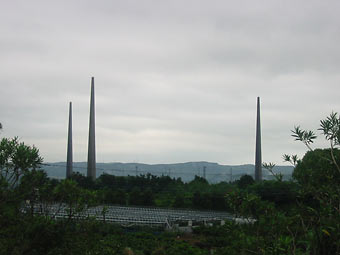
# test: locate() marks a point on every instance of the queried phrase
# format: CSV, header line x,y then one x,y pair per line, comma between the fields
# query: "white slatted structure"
x,y
126,215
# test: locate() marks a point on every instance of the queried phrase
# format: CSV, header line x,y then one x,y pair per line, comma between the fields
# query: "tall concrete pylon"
x,y
91,157
69,163
258,154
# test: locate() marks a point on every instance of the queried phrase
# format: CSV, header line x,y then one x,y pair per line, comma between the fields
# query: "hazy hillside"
x,y
213,172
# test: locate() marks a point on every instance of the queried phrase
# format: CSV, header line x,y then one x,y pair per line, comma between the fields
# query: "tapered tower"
x,y
258,155
69,163
91,158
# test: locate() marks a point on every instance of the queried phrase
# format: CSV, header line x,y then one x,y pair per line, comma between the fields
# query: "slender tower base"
x,y
258,156
91,159
69,163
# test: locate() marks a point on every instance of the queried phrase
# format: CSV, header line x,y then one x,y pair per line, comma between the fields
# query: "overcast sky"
x,y
175,81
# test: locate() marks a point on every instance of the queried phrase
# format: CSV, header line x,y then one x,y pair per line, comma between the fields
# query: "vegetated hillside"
x,y
213,172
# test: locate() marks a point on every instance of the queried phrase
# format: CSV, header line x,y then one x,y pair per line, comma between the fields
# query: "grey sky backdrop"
x,y
175,80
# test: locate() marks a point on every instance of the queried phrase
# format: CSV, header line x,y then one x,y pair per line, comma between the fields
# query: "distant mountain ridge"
x,y
213,172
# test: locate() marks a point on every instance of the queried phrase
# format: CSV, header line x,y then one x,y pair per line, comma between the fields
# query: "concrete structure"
x,y
69,163
91,158
258,156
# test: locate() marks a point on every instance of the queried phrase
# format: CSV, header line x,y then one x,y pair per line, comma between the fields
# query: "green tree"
x,y
245,181
110,196
83,181
77,199
16,161
20,180
107,180
282,193
148,197
135,197
318,173
197,199
179,201
317,168
36,189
